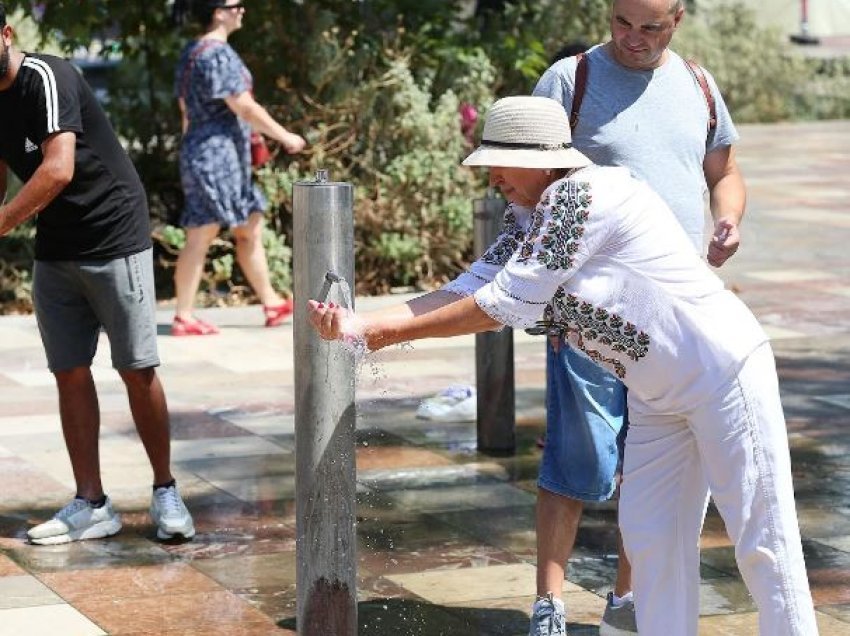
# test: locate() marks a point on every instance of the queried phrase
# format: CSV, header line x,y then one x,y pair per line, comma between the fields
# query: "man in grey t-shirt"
x,y
642,109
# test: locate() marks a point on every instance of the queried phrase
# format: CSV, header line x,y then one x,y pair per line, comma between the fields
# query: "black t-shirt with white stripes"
x,y
103,212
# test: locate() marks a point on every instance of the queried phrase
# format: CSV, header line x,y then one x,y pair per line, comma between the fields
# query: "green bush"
x,y
825,91
750,64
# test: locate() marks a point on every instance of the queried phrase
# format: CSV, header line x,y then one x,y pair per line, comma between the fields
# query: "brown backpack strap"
x,y
580,85
699,76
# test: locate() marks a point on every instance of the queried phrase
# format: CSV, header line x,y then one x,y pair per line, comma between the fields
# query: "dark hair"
x,y
2,14
569,50
201,10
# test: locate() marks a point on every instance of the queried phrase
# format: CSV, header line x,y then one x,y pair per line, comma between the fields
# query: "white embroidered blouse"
x,y
603,258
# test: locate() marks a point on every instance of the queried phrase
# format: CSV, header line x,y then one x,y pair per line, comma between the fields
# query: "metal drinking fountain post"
x,y
494,350
325,504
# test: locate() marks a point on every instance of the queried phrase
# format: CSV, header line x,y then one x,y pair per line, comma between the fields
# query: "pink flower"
x,y
468,120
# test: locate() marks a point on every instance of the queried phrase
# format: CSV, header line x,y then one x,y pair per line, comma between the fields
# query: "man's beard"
x,y
4,63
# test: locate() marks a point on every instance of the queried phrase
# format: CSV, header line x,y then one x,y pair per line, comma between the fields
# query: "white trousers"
x,y
735,444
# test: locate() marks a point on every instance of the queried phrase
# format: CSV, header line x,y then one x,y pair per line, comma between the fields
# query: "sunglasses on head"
x,y
232,7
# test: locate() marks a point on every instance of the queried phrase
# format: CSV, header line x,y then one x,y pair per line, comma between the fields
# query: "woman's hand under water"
x,y
334,322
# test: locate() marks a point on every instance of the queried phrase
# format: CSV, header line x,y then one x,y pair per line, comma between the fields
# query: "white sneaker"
x,y
548,617
456,403
75,522
618,620
170,515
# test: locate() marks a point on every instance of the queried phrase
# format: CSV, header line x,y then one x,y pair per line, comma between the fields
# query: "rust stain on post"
x,y
330,609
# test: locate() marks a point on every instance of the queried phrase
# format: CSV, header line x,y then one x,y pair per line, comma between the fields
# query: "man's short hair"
x,y
675,5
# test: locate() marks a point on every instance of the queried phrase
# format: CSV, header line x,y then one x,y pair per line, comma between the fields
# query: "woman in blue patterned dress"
x,y
218,110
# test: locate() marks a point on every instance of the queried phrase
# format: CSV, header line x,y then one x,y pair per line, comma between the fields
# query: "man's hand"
x,y
724,242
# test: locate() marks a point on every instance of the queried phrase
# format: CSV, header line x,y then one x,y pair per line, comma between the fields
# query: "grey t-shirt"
x,y
653,122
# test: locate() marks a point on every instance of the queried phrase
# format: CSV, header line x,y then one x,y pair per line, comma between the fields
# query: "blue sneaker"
x,y
548,617
618,620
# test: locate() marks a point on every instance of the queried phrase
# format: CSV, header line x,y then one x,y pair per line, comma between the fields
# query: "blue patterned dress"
x,y
215,154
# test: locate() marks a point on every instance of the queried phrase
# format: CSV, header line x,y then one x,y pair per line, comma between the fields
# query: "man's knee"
x,y
67,378
138,378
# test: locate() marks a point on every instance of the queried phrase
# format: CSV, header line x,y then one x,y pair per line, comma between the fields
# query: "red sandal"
x,y
276,315
196,327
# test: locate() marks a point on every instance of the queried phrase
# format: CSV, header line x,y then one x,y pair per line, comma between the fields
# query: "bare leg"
x,y
557,525
80,415
251,256
190,267
150,413
623,584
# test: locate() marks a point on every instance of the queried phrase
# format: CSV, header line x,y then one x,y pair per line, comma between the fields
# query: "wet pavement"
x,y
446,534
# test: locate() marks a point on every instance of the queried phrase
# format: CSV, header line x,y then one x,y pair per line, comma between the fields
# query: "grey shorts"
x,y
75,299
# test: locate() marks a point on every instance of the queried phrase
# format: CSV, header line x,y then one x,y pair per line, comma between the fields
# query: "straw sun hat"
x,y
527,132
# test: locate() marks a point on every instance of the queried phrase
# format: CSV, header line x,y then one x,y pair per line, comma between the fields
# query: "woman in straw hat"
x,y
595,257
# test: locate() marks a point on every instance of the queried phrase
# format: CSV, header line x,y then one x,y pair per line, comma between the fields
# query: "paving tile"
x,y
738,624
724,595
842,400
42,378
839,543
780,333
187,611
229,469
809,216
269,573
790,275
462,497
259,488
841,612
243,446
438,555
509,528
440,472
262,423
48,620
840,291
32,486
125,582
459,585
9,567
200,425
30,424
25,591
219,630
122,550
388,457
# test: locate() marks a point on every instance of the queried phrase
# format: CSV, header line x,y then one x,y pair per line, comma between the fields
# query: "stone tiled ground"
x,y
446,538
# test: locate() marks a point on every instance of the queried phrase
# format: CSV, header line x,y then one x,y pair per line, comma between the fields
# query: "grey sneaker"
x,y
618,621
170,515
77,521
548,617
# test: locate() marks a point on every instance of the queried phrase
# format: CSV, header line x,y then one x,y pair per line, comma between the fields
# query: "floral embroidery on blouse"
x,y
501,251
589,323
558,241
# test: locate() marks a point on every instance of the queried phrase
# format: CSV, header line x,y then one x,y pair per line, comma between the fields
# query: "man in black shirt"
x,y
93,269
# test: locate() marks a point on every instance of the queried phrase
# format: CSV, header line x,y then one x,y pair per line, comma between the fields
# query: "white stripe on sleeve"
x,y
50,96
